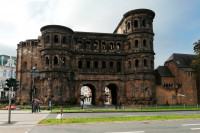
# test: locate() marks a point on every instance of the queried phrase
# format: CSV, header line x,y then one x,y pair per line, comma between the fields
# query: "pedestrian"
x,y
39,105
36,106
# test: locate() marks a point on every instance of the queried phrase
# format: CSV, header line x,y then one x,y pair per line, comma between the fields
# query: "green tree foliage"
x,y
196,62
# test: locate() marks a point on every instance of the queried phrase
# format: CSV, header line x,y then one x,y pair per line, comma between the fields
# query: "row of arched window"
x,y
88,44
55,60
135,24
55,39
96,65
29,43
137,44
139,63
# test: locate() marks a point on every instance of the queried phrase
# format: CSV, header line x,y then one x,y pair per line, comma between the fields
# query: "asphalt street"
x,y
166,126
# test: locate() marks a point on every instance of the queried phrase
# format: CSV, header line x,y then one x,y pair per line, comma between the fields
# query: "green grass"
x,y
127,110
112,119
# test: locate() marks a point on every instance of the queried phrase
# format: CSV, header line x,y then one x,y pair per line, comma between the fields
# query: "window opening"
x,y
144,23
55,60
47,60
145,62
95,64
88,64
118,66
55,39
136,63
103,64
136,43
80,64
111,65
135,23
144,43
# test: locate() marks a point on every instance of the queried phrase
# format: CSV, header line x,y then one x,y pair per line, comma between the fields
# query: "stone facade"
x,y
177,83
67,60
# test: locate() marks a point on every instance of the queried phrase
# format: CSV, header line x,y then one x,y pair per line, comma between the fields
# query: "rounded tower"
x,y
138,26
56,43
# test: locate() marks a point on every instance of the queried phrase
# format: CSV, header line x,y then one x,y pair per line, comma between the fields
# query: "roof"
x,y
164,71
181,60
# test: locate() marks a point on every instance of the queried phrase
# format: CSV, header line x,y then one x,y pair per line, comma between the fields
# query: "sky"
x,y
176,23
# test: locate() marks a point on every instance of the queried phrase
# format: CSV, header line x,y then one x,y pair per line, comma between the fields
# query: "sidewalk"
x,y
21,121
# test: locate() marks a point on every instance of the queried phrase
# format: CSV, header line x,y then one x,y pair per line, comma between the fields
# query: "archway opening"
x,y
111,94
88,94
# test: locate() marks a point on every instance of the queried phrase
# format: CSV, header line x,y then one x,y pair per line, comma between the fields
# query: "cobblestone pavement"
x,y
21,121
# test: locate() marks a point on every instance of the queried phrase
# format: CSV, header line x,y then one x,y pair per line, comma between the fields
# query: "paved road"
x,y
167,126
21,121
88,115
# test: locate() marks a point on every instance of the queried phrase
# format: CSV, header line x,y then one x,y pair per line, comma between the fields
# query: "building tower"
x,y
138,26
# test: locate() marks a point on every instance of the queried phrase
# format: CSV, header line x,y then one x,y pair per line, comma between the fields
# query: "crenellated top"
x,y
28,43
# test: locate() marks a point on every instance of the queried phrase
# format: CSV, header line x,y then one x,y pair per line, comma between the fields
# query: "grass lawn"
x,y
112,119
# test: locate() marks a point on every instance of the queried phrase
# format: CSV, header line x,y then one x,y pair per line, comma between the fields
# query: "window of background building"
x,y
4,73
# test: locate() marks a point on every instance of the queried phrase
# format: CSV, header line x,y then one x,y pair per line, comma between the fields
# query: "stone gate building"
x,y
67,60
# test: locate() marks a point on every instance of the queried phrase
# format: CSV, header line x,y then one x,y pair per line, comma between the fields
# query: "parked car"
x,y
12,107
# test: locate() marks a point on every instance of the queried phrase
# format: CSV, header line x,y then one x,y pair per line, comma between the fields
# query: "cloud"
x,y
176,24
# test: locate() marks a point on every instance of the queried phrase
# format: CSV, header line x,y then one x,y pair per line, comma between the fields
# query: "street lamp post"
x,y
33,72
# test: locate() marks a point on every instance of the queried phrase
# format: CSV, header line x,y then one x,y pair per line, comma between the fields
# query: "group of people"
x,y
36,105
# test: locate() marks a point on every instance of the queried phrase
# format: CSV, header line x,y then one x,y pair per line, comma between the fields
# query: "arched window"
x,y
128,25
118,46
137,63
55,39
80,64
88,44
55,60
96,64
103,64
103,45
47,60
64,40
118,66
144,43
145,63
88,64
4,73
111,45
111,65
47,39
129,64
135,23
144,22
96,45
129,45
136,43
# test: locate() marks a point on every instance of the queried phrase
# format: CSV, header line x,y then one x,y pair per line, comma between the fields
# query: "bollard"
x,y
61,112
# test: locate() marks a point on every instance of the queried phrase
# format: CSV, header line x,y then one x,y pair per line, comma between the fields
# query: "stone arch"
x,y
111,94
88,91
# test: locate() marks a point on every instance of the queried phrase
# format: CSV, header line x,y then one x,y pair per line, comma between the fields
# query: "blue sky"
x,y
176,24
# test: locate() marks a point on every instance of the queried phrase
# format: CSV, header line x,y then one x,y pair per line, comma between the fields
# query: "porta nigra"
x,y
102,68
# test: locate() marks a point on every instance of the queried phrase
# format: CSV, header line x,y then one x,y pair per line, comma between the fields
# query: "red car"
x,y
12,107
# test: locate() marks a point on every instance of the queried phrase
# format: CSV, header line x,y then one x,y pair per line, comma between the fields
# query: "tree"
x,y
196,62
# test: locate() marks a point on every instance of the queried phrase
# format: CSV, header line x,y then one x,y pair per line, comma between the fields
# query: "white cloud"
x,y
175,22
